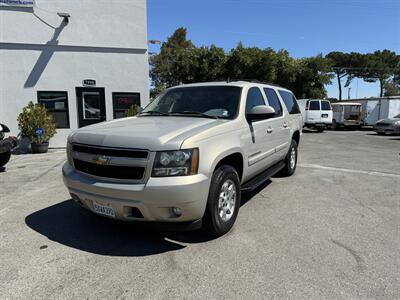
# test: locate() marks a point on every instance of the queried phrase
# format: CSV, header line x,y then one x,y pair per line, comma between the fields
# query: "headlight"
x,y
176,163
397,123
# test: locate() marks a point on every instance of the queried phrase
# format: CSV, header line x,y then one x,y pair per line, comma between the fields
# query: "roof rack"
x,y
252,80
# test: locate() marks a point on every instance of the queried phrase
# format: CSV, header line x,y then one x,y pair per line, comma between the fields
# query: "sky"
x,y
303,27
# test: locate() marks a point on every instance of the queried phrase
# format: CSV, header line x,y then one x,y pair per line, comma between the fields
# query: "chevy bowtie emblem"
x,y
101,160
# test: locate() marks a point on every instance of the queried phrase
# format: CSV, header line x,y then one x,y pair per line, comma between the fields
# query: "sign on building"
x,y
17,3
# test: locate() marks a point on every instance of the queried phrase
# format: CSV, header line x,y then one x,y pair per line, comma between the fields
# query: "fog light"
x,y
177,211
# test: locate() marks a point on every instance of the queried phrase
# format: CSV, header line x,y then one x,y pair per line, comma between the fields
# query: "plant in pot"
x,y
132,111
38,125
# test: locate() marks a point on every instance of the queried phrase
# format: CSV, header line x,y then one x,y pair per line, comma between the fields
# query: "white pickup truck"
x,y
186,158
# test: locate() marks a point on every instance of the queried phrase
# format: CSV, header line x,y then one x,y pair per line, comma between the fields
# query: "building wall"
x,y
104,40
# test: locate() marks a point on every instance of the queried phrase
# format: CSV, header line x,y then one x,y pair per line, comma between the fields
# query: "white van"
x,y
316,113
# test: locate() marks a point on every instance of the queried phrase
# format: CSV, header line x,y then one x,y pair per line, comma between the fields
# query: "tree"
x,y
251,63
208,64
172,65
340,64
380,66
312,74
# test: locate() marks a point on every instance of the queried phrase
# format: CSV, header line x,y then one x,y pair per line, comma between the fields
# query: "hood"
x,y
151,132
388,120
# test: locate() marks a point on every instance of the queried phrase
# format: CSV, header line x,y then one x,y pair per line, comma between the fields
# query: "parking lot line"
x,y
364,172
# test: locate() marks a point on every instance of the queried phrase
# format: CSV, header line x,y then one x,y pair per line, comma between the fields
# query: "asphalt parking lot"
x,y
332,231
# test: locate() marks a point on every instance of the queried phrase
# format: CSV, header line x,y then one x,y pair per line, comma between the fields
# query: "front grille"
x,y
353,117
384,124
118,152
108,171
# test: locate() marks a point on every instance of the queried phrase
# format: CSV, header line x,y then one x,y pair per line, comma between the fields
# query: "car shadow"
x,y
72,226
306,130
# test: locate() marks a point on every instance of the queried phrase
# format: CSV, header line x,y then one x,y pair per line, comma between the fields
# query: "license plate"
x,y
324,115
105,210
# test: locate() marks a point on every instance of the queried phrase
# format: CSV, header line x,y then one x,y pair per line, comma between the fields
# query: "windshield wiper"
x,y
154,112
195,113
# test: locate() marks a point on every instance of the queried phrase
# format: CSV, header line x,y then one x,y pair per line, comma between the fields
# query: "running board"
x,y
262,177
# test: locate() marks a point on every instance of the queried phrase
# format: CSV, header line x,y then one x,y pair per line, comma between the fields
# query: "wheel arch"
x,y
296,137
234,160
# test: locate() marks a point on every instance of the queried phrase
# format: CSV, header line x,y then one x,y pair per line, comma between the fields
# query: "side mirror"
x,y
260,112
4,128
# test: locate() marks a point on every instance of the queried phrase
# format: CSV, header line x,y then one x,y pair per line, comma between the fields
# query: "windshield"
x,y
202,101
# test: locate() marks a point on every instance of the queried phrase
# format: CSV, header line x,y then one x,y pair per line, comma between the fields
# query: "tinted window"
x,y
313,105
57,105
254,98
325,105
273,101
290,102
123,101
219,101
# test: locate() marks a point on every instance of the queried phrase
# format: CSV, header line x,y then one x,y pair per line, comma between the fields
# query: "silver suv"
x,y
186,158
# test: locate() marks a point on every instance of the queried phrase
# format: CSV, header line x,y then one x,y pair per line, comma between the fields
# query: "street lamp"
x,y
154,42
65,16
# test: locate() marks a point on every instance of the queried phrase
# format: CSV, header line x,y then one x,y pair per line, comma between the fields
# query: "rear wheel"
x,y
290,161
4,158
320,129
334,125
223,201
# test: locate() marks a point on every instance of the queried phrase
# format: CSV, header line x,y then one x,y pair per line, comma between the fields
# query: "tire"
x,y
380,133
219,218
4,158
290,166
334,125
320,129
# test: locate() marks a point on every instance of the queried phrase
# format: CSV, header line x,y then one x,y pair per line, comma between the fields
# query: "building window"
x,y
123,101
57,105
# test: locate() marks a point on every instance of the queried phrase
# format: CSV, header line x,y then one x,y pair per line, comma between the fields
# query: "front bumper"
x,y
154,199
387,129
7,144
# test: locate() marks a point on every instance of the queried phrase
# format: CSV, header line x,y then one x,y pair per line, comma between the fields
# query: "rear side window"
x,y
325,105
273,101
254,98
290,102
313,105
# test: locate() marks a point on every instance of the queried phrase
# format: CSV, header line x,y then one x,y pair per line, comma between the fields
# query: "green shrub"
x,y
35,116
132,111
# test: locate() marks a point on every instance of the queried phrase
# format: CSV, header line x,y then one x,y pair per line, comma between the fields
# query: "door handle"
x,y
269,130
285,125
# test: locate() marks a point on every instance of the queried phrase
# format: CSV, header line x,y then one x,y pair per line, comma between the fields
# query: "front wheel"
x,y
223,201
4,158
290,161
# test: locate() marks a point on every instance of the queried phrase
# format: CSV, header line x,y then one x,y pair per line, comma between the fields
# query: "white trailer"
x,y
375,109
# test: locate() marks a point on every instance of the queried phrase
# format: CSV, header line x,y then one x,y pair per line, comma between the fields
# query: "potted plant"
x,y
132,111
38,125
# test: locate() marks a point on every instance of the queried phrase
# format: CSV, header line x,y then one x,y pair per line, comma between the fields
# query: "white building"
x,y
85,68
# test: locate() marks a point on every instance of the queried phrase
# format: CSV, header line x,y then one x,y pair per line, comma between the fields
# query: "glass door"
x,y
91,106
